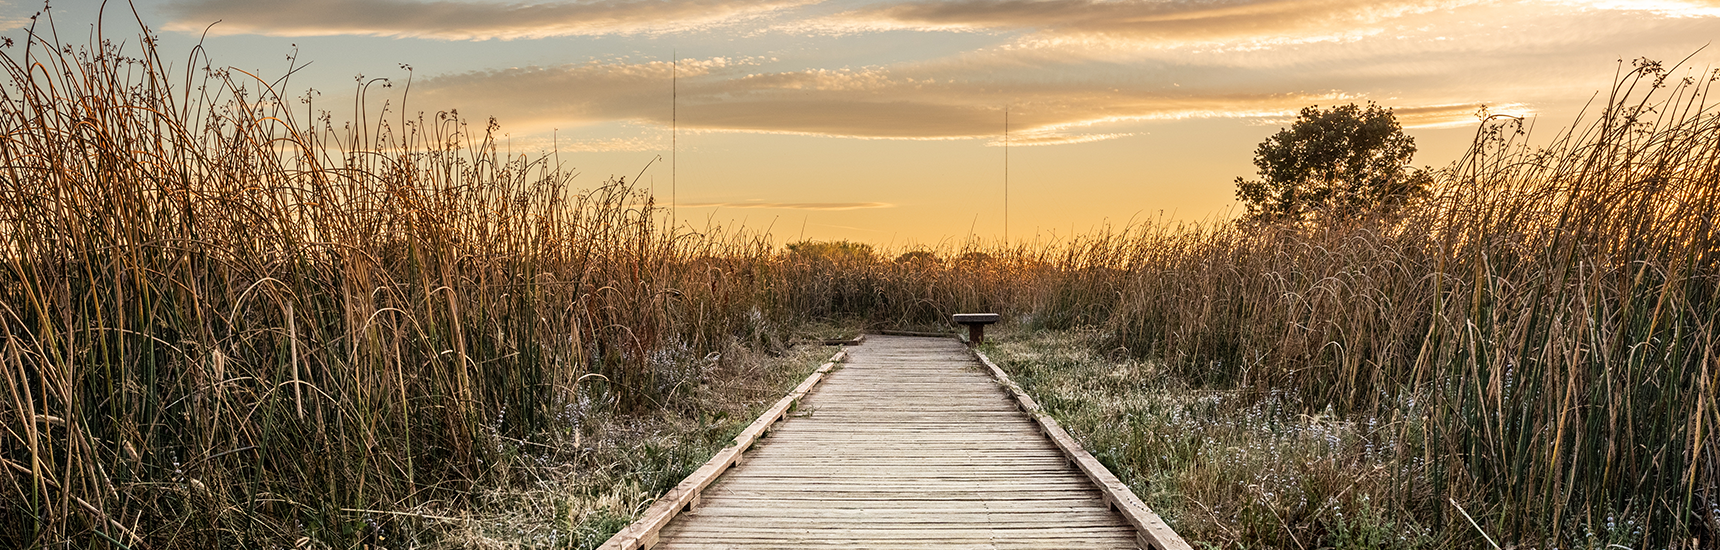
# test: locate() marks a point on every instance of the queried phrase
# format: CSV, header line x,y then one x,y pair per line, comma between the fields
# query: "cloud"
x,y
577,93
464,20
1051,138
792,205
1664,8
610,145
728,95
1452,116
1431,116
1435,69
15,14
1285,21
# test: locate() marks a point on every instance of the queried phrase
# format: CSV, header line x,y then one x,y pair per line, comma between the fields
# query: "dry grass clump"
x,y
583,483
1546,323
1537,343
1229,468
227,321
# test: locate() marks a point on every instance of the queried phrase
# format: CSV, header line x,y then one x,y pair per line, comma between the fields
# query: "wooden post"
x,y
976,323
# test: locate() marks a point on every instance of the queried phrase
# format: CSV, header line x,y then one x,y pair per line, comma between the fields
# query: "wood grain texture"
x,y
689,494
910,444
1154,533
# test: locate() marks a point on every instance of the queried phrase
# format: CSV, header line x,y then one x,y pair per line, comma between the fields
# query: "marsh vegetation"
x,y
231,321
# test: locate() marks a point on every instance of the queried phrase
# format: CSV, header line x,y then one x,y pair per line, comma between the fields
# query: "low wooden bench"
x,y
976,323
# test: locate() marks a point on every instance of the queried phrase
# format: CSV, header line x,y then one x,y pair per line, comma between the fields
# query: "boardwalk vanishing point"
x,y
912,442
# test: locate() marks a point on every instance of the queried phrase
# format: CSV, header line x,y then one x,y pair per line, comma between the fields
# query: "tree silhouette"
x,y
1334,164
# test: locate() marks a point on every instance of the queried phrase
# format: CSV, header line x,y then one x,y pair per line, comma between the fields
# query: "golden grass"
x,y
228,322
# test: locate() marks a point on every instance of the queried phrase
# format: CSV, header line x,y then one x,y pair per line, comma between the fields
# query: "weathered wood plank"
x,y
1154,532
911,444
644,532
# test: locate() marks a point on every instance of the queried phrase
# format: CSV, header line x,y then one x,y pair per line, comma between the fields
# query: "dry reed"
x,y
227,319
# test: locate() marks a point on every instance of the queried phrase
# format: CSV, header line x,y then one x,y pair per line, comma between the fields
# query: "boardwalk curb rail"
x,y
1153,532
642,534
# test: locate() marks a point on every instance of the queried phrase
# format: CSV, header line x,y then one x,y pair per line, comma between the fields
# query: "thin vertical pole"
x,y
1006,175
674,135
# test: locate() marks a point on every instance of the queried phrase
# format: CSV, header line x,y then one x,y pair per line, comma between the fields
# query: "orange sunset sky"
x,y
883,121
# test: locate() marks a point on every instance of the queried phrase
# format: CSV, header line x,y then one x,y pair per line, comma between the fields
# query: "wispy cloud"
x,y
1432,116
1666,8
1198,21
1051,138
791,205
1450,116
464,20
16,14
1079,71
578,93
610,145
728,95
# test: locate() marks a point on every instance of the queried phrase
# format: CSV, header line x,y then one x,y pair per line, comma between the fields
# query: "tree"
x,y
830,252
1333,164
919,258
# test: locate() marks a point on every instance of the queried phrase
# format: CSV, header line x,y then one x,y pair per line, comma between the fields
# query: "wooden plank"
x,y
915,333
912,444
855,341
644,532
1155,533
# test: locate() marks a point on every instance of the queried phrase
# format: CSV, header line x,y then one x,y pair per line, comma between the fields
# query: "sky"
x,y
885,121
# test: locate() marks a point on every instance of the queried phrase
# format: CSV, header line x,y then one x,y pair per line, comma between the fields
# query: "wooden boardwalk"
x,y
910,444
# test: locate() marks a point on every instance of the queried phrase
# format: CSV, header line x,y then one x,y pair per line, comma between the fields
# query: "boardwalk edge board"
x,y
855,341
642,534
1154,533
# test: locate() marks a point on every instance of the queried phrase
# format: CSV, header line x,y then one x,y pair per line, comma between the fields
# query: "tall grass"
x,y
231,321
227,319
1546,323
